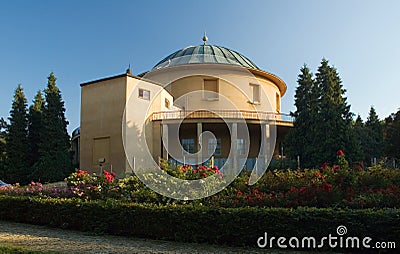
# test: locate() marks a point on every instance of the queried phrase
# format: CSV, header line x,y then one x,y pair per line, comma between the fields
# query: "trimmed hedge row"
x,y
233,226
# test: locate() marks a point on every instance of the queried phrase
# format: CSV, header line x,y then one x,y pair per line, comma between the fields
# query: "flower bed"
x,y
329,186
285,202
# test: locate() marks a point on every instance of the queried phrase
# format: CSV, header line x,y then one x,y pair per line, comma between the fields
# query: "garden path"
x,y
41,238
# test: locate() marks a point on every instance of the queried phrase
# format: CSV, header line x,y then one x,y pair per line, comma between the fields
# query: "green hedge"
x,y
233,226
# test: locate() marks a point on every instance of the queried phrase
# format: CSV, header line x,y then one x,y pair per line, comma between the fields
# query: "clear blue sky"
x,y
87,40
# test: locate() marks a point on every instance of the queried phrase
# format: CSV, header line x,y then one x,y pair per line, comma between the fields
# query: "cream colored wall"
x,y
232,97
141,142
102,106
102,111
270,90
234,87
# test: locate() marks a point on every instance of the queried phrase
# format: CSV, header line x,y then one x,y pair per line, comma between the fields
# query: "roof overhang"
x,y
272,77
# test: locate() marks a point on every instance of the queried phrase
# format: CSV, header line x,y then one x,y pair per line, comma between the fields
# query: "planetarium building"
x,y
199,105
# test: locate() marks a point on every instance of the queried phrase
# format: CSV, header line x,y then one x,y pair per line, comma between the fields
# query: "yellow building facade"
x,y
199,103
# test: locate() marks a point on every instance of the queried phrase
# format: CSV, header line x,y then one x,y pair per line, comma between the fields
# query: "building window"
x,y
167,103
214,146
188,145
144,94
255,93
241,146
278,103
210,89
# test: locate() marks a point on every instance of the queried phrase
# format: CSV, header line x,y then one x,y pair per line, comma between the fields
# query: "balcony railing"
x,y
224,114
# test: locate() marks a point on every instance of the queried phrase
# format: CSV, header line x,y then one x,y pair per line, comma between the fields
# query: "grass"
x,y
7,249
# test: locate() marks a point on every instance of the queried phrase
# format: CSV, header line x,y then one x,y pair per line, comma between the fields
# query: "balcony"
x,y
281,119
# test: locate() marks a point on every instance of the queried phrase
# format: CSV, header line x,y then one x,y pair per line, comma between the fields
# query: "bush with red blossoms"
x,y
329,186
91,186
338,186
109,176
189,172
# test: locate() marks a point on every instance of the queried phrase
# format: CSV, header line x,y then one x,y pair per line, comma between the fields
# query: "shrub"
x,y
234,226
329,186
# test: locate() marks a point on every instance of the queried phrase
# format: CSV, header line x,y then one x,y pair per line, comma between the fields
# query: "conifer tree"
x,y
374,137
54,163
35,127
300,140
3,127
333,129
17,145
360,135
323,121
392,135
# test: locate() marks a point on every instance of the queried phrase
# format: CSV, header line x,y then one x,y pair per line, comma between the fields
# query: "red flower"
x,y
336,168
82,172
239,193
109,176
340,153
199,168
323,167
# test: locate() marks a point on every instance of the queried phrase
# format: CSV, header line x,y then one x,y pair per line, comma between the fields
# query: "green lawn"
x,y
6,249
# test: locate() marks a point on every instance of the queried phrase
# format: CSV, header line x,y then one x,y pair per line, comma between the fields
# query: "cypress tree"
x,y
300,140
3,127
333,129
392,135
17,145
374,137
360,136
35,127
54,163
323,121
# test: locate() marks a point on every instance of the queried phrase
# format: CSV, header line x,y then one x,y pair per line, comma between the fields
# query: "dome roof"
x,y
76,132
207,54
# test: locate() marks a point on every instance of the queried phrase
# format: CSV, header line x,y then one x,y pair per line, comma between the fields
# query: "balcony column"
x,y
199,143
164,141
265,147
234,149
